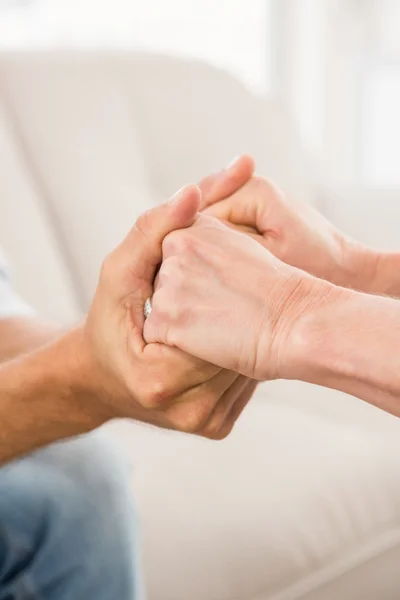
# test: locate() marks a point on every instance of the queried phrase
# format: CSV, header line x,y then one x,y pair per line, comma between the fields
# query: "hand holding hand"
x,y
221,297
153,382
294,232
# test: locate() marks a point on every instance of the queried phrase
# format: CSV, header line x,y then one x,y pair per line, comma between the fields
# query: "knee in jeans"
x,y
71,505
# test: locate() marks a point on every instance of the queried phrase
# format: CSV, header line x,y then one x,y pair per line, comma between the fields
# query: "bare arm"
x,y
385,278
45,395
348,341
40,399
298,235
20,335
224,298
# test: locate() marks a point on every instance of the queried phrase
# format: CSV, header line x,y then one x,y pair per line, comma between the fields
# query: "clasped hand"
x,y
224,298
225,305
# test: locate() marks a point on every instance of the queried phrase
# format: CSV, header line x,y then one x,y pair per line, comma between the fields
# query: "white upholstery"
x,y
106,131
303,500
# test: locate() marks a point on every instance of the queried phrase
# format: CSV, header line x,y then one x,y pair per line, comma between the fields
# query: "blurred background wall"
x,y
334,63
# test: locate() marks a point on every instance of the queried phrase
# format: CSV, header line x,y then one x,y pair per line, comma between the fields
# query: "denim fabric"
x,y
67,525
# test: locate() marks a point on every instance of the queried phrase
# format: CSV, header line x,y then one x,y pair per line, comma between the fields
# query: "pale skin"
x,y
227,299
55,386
300,236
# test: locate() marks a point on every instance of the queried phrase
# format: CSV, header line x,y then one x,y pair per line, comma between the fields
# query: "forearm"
x,y
20,335
372,272
386,280
44,397
350,341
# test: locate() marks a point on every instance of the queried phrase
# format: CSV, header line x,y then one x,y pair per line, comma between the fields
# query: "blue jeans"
x,y
67,529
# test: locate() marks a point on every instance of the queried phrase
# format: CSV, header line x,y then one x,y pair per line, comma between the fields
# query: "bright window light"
x,y
381,139
232,34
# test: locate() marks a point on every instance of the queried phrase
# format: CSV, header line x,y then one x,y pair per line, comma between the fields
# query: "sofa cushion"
x,y
301,501
109,135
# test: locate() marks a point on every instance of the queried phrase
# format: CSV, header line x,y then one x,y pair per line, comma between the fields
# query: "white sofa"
x,y
303,499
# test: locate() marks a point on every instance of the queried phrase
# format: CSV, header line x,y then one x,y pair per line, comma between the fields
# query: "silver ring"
x,y
147,308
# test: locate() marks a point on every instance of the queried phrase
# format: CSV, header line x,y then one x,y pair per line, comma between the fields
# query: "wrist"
x,y
303,348
46,396
372,272
319,347
385,280
358,268
68,376
76,372
297,295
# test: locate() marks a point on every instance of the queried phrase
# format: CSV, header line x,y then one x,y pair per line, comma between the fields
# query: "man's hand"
x,y
151,381
297,234
104,369
222,297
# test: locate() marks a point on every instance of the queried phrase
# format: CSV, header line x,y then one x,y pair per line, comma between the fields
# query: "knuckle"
x,y
156,395
144,223
259,183
159,304
178,242
188,241
172,276
189,423
191,419
169,245
170,269
162,305
166,314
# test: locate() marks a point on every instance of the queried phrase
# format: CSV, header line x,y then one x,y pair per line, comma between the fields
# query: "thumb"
x,y
139,255
255,205
219,186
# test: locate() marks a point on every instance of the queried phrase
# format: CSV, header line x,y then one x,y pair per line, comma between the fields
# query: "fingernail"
x,y
176,197
233,162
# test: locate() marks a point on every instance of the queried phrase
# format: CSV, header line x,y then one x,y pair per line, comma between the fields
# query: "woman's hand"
x,y
296,233
222,297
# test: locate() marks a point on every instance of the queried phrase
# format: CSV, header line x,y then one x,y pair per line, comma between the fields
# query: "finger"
x,y
251,206
263,239
223,184
177,242
237,409
139,255
223,408
193,408
266,239
215,227
166,314
188,372
203,220
242,208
